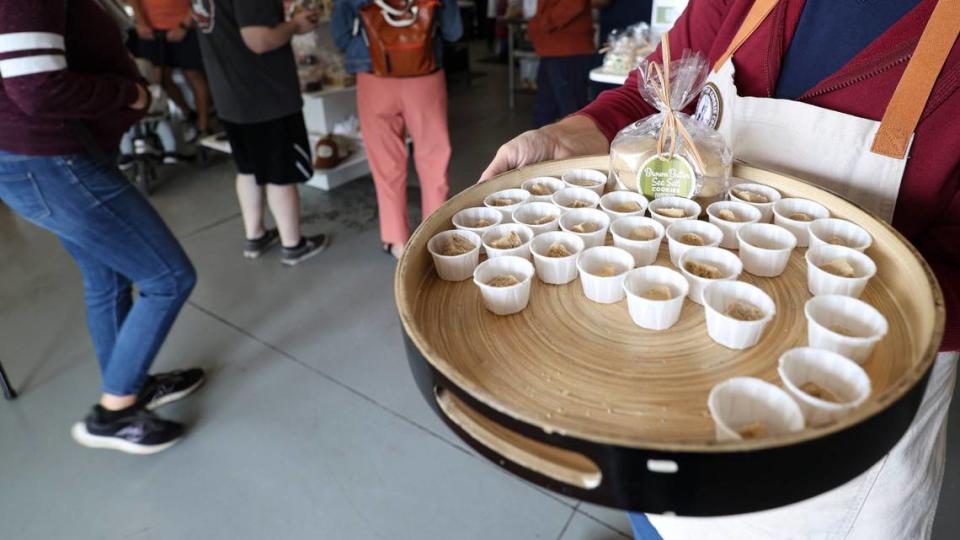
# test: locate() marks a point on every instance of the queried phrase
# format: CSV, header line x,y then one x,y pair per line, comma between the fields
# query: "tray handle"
x,y
559,464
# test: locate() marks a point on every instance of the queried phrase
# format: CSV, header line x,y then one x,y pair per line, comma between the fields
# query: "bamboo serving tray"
x,y
572,395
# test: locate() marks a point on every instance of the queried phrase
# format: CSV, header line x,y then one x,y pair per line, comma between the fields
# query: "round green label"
x,y
663,176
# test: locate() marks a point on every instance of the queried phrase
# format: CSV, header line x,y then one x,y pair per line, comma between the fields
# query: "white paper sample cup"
x,y
765,248
495,233
454,267
744,214
519,196
844,325
786,211
472,219
556,270
729,265
505,300
530,213
655,314
819,281
615,204
691,210
593,263
644,251
729,331
569,197
839,375
590,218
741,401
542,184
708,232
590,179
839,232
739,192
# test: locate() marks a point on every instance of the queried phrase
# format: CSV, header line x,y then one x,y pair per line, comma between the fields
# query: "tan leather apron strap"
x,y
758,12
910,98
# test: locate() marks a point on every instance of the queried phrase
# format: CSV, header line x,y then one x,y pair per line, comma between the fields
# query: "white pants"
x,y
896,499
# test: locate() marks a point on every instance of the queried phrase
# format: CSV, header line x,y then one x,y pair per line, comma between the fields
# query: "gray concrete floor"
x,y
310,425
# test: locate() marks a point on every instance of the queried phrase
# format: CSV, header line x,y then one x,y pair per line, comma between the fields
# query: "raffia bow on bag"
x,y
658,79
669,153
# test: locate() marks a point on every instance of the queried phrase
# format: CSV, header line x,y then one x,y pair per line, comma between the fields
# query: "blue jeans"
x,y
561,87
118,240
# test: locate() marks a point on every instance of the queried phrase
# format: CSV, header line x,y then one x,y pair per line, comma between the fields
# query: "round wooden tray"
x,y
572,395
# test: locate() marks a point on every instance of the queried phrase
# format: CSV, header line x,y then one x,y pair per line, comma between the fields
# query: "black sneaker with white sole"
x,y
163,388
308,247
253,249
133,430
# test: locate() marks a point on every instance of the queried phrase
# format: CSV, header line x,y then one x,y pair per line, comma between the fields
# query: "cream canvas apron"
x,y
896,498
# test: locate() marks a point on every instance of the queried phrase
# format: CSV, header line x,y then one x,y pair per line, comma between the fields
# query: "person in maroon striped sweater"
x,y
68,91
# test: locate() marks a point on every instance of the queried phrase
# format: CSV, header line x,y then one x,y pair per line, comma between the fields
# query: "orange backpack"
x,y
400,36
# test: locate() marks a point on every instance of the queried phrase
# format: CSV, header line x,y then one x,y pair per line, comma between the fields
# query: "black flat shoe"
x,y
133,431
164,388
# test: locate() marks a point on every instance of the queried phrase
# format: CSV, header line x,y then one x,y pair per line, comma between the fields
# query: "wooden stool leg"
x,y
8,391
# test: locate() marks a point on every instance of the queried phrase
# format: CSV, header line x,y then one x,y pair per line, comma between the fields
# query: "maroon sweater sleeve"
x,y
34,70
941,247
696,30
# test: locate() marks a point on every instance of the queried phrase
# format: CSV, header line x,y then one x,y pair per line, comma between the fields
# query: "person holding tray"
x,y
840,93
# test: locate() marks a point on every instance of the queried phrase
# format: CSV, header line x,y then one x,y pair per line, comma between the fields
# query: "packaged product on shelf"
x,y
329,152
334,72
669,153
625,48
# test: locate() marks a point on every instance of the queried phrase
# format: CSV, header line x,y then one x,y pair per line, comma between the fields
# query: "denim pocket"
x,y
20,192
98,179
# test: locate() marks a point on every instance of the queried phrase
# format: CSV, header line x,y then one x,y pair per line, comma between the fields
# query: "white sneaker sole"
x,y
293,262
175,396
85,438
256,254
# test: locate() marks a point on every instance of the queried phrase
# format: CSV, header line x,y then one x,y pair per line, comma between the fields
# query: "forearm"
x,y
65,94
139,15
187,21
35,74
263,39
576,135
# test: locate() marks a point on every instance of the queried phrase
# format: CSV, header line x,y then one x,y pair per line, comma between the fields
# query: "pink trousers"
x,y
389,108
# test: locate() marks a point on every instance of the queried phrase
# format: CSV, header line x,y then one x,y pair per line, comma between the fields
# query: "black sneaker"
x,y
125,162
308,248
133,430
253,249
164,388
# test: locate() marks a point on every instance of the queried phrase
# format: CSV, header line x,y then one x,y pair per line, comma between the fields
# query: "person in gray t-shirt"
x,y
253,79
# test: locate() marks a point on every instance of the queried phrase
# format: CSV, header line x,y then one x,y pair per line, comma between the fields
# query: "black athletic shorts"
x,y
276,152
160,51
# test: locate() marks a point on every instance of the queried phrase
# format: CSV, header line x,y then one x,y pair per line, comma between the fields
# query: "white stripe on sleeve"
x,y
29,65
26,41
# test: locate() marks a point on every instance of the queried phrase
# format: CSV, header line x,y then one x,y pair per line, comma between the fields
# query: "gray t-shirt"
x,y
247,88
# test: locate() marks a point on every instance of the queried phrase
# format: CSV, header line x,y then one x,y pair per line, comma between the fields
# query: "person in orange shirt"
x,y
562,36
169,40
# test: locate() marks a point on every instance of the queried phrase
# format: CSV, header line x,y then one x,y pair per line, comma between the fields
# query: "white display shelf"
x,y
324,109
601,76
354,167
321,111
